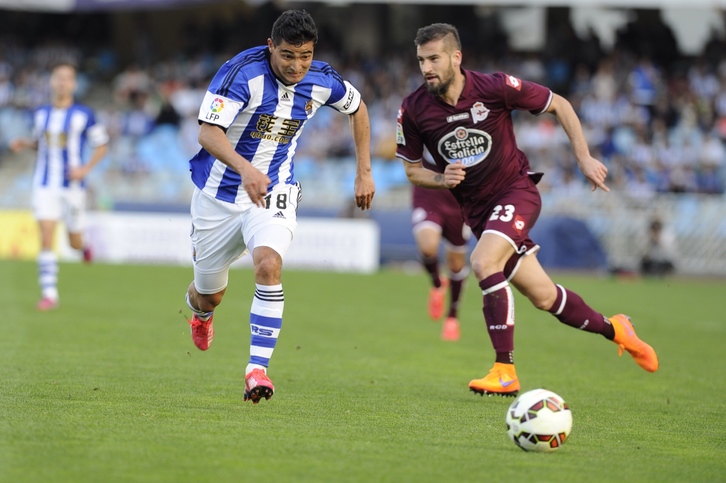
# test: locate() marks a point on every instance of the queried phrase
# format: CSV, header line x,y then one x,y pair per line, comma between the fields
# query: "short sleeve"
x,y
409,144
524,95
228,93
348,98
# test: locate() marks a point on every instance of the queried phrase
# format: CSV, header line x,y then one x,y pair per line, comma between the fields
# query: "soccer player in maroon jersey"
x,y
464,119
436,218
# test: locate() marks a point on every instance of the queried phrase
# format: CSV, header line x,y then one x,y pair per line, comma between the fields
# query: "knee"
x,y
483,268
268,268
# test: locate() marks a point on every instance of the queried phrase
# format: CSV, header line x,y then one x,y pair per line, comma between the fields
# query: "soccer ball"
x,y
539,420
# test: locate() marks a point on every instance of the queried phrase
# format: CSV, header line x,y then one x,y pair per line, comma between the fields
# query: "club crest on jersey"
x,y
309,107
479,112
514,82
467,146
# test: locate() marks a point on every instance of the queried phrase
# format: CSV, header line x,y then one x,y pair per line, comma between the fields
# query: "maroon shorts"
x,y
439,207
511,215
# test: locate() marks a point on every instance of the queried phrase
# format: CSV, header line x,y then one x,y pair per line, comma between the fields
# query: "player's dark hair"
x,y
62,63
295,27
438,31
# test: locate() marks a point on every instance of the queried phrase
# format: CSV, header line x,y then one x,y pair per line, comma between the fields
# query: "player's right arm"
x,y
419,175
17,145
214,140
410,149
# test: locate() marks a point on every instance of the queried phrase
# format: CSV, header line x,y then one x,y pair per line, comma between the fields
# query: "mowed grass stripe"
x,y
111,388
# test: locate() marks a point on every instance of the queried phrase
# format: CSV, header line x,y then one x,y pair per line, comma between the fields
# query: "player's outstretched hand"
x,y
595,172
454,174
364,189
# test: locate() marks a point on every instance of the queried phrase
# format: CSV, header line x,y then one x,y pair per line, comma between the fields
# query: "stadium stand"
x,y
659,124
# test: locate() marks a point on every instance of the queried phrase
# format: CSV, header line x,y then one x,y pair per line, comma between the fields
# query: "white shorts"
x,y
56,204
223,232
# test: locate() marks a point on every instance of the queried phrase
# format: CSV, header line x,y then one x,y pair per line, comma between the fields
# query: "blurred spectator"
x,y
659,251
658,128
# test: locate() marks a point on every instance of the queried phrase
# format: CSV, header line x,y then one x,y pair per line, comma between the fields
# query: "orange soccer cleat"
x,y
501,380
626,339
450,330
202,332
437,299
257,386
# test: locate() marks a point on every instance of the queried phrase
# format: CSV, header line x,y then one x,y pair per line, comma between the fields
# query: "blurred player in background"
x,y
436,216
61,131
246,195
464,119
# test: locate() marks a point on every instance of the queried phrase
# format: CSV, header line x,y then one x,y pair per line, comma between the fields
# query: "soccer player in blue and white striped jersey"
x,y
61,132
246,194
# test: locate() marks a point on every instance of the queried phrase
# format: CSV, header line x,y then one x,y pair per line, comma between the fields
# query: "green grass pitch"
x,y
110,387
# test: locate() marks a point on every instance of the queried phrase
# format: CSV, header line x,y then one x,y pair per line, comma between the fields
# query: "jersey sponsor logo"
x,y
479,112
497,327
349,100
514,82
56,140
467,146
272,128
457,117
519,223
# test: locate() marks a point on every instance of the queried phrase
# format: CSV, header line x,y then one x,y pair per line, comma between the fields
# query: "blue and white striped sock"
x,y
265,324
48,274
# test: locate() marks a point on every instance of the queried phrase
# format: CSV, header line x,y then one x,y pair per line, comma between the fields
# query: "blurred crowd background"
x,y
654,116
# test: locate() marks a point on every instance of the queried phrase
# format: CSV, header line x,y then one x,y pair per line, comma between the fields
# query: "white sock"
x,y
265,324
48,274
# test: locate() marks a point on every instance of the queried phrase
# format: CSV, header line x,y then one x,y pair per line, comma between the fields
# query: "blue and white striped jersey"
x,y
263,119
62,135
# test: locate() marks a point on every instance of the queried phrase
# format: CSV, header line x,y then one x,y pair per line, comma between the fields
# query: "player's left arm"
x,y
593,169
80,172
98,138
360,128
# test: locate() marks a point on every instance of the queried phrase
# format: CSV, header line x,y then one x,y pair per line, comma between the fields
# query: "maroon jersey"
x,y
478,132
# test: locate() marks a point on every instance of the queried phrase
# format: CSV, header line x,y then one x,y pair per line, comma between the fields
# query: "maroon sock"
x,y
499,315
570,309
457,283
431,264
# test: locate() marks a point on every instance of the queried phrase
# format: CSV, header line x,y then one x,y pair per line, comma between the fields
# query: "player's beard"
x,y
444,84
